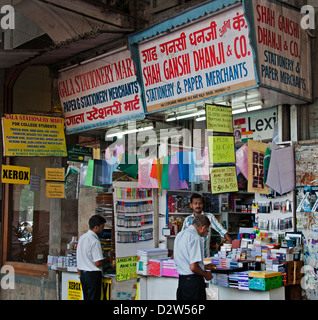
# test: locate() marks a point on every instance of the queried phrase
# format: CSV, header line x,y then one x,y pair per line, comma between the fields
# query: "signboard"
x,y
219,118
126,268
74,290
255,154
55,190
100,93
79,153
223,179
29,135
15,174
205,59
55,174
283,48
221,149
259,123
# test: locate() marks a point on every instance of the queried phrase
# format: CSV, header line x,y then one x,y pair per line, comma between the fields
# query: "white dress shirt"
x,y
89,251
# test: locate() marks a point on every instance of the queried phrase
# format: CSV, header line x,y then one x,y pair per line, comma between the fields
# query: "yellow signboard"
x,y
223,179
221,149
15,174
219,118
29,135
55,174
74,290
126,268
55,190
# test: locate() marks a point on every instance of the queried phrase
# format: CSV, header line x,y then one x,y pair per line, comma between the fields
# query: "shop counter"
x,y
165,288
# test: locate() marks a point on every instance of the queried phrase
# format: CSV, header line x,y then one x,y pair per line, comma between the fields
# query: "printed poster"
x,y
255,154
204,59
31,135
99,93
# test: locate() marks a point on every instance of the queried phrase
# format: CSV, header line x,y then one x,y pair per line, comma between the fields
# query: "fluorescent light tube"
x,y
128,132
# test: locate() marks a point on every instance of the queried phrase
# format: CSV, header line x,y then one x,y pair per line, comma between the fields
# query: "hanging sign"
x,y
255,154
15,174
219,118
207,58
100,93
126,268
283,48
30,135
221,149
223,179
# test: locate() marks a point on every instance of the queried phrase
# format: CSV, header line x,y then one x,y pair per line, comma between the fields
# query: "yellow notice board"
x,y
55,190
74,290
219,118
15,174
221,149
223,179
126,268
30,135
55,174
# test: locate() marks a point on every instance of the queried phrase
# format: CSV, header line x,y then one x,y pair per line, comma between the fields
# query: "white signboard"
x,y
100,93
207,58
260,123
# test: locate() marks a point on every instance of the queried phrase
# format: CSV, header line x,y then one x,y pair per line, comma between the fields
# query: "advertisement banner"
x,y
207,58
100,93
283,48
255,154
30,135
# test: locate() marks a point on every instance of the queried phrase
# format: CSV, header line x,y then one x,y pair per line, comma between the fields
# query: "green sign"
x,y
219,118
79,153
221,149
223,179
126,268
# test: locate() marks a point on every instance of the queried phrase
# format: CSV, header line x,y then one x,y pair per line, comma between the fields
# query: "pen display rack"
x,y
134,218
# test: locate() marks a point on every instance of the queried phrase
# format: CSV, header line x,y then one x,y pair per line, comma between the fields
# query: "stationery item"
x,y
183,163
241,161
173,173
129,165
165,173
154,170
281,172
159,171
144,174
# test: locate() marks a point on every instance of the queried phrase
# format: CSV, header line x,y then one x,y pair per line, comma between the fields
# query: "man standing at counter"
x,y
188,257
90,259
196,204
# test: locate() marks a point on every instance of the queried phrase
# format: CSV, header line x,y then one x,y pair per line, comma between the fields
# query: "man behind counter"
x,y
196,204
188,257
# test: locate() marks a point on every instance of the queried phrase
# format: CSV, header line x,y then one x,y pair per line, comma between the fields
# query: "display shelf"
x,y
134,218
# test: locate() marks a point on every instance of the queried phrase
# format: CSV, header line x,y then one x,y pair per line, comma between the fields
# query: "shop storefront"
x,y
210,87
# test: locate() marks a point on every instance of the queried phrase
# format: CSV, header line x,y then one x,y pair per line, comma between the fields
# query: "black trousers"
x,y
91,284
191,287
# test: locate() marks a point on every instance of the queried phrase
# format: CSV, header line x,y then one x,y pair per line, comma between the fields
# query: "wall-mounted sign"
x,y
55,174
205,59
259,123
283,47
55,190
15,174
30,135
100,93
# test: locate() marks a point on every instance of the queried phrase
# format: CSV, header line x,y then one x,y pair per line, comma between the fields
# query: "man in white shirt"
x,y
90,259
188,257
196,205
